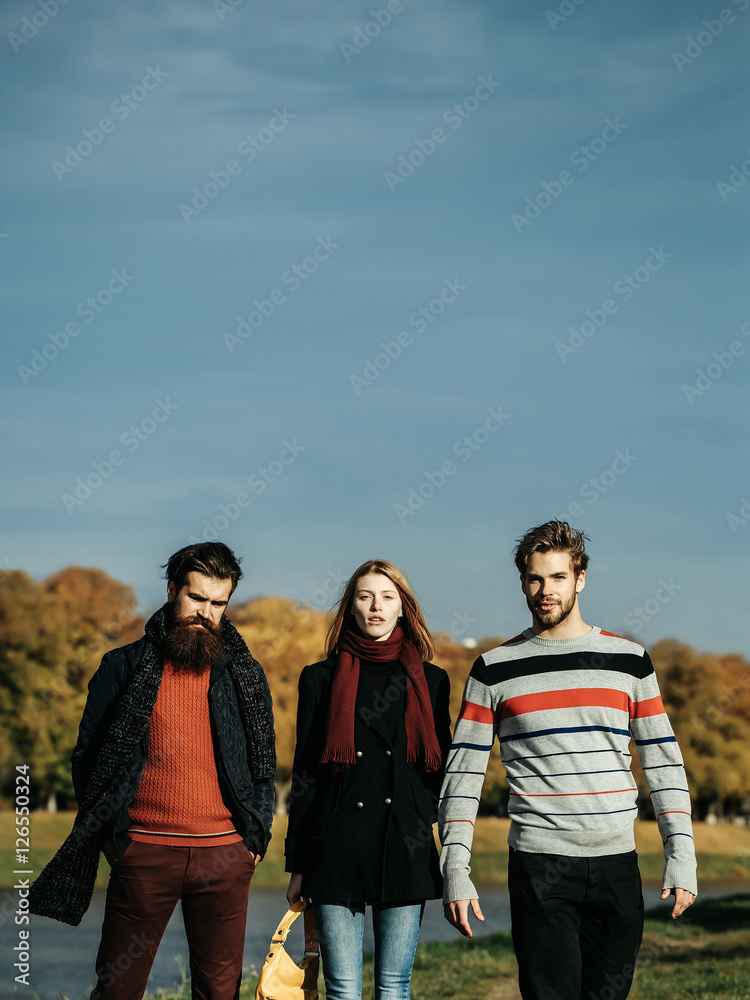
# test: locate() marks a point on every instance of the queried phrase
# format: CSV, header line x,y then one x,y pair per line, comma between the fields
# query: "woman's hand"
x,y
293,892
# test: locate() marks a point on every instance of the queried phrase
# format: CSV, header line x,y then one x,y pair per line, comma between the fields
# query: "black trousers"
x,y
577,924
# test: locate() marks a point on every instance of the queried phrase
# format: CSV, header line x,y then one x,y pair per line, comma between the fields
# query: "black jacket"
x,y
251,804
365,835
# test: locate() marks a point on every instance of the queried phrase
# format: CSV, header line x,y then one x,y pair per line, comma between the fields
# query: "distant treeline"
x,y
53,635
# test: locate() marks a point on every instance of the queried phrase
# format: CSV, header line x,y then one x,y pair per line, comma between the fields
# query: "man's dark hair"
x,y
554,536
212,559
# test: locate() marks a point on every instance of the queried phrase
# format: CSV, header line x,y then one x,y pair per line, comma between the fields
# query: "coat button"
x,y
388,753
359,805
387,802
359,753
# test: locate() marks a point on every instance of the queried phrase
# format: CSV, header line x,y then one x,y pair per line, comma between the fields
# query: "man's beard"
x,y
192,643
549,619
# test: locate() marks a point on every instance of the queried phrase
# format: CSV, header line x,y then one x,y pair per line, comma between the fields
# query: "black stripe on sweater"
x,y
591,659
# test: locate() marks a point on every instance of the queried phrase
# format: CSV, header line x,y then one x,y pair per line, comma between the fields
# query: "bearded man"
x,y
173,772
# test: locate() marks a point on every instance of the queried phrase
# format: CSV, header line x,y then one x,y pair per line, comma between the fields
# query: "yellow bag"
x,y
281,978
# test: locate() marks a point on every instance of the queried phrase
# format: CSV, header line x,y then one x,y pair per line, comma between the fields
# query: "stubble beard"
x,y
550,619
192,643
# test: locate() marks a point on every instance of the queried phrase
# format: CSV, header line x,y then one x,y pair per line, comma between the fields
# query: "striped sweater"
x,y
564,711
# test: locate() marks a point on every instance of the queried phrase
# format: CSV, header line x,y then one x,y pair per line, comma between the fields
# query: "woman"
x,y
373,729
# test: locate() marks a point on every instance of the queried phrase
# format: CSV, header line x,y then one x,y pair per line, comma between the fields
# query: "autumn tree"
x,y
41,698
52,638
101,614
710,721
284,636
53,635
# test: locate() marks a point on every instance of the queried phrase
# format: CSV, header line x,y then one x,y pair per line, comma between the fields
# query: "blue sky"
x,y
323,176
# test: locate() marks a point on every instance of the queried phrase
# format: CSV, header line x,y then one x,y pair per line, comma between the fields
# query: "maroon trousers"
x,y
144,887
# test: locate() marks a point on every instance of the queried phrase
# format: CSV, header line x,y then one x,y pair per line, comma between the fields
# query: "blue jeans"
x,y
340,931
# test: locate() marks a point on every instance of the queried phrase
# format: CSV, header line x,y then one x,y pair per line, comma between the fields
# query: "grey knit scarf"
x,y
65,886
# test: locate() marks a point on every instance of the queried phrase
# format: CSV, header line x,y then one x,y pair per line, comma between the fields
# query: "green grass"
x,y
490,868
706,954
723,852
460,969
49,830
703,956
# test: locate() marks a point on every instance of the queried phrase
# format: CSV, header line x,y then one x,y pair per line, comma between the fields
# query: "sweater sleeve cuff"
x,y
680,874
458,885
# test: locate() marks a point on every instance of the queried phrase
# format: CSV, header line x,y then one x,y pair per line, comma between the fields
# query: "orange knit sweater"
x,y
178,801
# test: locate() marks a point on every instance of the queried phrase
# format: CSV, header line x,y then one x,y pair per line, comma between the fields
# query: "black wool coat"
x,y
364,835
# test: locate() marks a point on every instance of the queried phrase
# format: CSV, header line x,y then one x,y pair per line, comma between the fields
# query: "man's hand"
x,y
457,914
682,899
109,852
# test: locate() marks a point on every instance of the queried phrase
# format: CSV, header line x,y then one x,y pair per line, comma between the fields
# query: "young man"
x,y
564,699
173,773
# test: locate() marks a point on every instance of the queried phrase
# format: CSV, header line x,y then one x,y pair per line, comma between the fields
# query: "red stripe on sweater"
x,y
614,635
557,795
476,713
567,698
643,709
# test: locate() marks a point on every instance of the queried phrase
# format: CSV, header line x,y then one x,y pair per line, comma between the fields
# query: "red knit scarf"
x,y
421,740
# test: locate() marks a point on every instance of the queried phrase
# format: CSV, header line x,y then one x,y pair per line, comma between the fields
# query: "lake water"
x,y
62,957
